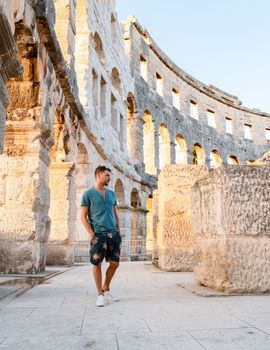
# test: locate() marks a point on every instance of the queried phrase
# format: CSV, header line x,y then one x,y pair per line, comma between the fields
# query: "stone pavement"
x,y
154,313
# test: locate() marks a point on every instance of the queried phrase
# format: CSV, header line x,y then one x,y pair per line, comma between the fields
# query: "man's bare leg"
x,y
109,275
97,273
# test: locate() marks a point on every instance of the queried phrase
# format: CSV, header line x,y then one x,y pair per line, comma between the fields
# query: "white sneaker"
x,y
100,301
110,297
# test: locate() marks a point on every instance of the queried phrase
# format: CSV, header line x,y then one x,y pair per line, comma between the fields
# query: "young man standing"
x,y
99,217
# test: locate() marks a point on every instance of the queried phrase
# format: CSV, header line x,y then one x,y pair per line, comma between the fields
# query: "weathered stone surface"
x,y
175,241
231,220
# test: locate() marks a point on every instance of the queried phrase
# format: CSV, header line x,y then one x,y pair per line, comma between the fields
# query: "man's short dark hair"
x,y
100,169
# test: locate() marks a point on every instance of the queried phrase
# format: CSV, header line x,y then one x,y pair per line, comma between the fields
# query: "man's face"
x,y
104,177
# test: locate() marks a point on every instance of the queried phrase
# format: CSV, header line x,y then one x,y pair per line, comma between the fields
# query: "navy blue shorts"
x,y
105,245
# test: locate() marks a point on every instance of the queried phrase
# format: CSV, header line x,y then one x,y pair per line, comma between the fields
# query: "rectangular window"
x,y
143,67
267,135
229,126
211,118
159,84
193,109
176,98
247,131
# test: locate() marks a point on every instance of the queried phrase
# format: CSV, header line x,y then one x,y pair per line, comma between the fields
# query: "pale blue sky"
x,y
225,43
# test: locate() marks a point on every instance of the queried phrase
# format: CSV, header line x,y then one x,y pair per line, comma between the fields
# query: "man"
x,y
99,217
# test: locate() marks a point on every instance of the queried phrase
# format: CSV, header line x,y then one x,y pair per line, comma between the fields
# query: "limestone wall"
x,y
231,220
171,108
175,241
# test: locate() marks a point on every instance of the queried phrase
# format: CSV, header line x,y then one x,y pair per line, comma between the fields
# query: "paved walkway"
x,y
154,313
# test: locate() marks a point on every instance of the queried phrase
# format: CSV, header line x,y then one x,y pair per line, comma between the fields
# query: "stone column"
x,y
231,220
60,247
9,67
175,241
155,227
124,216
138,234
24,198
136,138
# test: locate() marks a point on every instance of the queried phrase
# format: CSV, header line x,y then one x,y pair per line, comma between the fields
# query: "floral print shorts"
x,y
105,245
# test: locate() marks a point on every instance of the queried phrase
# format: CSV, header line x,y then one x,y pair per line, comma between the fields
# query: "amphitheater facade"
x,y
79,89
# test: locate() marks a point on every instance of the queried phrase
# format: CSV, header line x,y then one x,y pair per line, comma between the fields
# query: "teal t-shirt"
x,y
100,211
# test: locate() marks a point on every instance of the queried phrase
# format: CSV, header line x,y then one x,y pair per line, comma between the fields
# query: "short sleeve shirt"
x,y
100,211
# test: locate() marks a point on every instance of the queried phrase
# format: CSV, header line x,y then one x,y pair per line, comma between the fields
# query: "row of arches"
x,y
158,148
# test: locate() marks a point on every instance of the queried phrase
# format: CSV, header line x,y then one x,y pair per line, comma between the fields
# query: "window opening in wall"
x,y
116,81
135,199
229,126
232,160
103,88
247,131
176,98
149,143
95,91
180,150
267,135
198,155
215,159
143,67
211,118
164,146
113,28
114,112
99,48
193,109
159,84
121,132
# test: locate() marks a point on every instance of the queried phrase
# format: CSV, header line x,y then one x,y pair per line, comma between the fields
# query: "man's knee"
x,y
114,264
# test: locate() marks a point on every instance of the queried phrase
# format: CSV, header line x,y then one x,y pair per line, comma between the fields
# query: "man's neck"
x,y
99,187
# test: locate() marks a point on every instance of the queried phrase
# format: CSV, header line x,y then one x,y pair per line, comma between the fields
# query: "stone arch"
x,y
116,81
135,201
232,160
164,146
119,192
134,134
82,183
198,154
215,159
62,210
180,150
149,143
99,47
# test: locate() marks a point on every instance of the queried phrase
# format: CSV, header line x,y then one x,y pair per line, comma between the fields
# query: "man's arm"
x,y
84,212
117,220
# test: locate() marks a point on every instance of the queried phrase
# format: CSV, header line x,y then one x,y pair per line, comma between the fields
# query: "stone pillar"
x,y
124,216
24,198
231,220
60,247
136,139
9,67
175,241
155,227
138,234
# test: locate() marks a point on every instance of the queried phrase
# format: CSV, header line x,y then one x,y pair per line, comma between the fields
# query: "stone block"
x,y
231,221
174,242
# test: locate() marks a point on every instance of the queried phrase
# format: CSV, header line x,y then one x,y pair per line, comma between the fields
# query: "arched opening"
x,y
232,160
149,143
137,227
99,47
62,211
215,159
134,143
116,81
164,146
113,27
119,192
135,199
180,150
82,183
149,227
198,155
